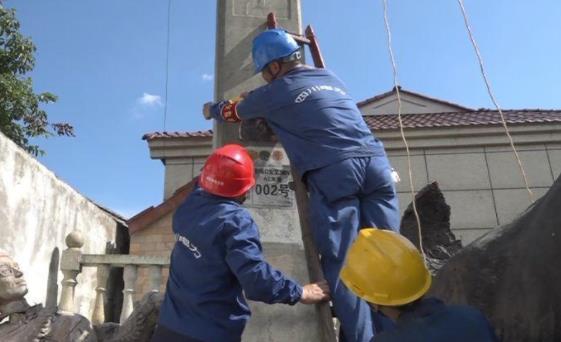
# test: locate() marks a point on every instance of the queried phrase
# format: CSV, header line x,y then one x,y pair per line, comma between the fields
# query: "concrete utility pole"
x,y
238,22
271,202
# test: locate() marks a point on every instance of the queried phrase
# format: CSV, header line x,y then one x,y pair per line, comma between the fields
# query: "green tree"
x,y
21,115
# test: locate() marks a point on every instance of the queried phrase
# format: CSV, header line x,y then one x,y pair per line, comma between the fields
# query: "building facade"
x,y
465,150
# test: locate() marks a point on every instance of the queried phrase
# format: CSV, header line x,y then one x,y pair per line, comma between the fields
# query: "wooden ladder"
x,y
302,200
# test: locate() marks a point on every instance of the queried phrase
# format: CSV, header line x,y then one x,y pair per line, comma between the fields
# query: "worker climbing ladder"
x,y
327,136
312,258
234,73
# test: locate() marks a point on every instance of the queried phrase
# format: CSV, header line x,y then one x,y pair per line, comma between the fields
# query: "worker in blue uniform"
x,y
217,255
344,166
387,270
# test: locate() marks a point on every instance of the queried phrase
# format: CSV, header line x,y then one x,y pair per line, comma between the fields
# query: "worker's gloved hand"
x,y
315,293
206,110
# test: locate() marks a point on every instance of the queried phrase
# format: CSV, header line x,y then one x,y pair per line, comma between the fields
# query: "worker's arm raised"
x,y
249,105
225,111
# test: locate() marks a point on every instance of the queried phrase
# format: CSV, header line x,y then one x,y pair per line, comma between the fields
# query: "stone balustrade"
x,y
73,260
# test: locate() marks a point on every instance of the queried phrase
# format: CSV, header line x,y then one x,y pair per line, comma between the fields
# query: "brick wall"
x,y
156,240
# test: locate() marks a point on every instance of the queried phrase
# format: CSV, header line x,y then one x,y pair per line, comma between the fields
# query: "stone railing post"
x,y
155,277
73,261
129,276
70,267
98,316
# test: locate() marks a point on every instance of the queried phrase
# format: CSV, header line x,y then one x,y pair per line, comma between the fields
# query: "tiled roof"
x,y
403,91
378,122
171,135
482,117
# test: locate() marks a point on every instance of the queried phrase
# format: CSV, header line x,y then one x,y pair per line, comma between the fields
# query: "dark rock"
x,y
439,243
512,275
140,325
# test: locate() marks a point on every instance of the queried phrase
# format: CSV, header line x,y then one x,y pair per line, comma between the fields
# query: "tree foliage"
x,y
21,115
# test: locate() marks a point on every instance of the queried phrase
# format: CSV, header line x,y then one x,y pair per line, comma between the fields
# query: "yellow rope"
x,y
492,96
396,87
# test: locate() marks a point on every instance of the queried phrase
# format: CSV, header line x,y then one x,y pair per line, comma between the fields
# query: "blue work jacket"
x,y
313,116
430,320
217,255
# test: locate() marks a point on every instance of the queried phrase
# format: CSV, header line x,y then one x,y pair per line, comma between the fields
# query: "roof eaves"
x,y
409,92
178,135
150,215
374,98
436,100
117,217
462,119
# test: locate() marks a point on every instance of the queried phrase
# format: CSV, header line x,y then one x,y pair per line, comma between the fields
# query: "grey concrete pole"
x,y
271,203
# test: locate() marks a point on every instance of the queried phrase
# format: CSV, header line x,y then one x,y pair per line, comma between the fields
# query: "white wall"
x,y
474,166
180,171
37,211
482,185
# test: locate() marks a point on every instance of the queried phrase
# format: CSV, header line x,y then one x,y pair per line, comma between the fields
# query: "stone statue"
x,y
22,322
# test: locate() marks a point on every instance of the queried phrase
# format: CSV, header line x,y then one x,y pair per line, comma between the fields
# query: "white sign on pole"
x,y
271,187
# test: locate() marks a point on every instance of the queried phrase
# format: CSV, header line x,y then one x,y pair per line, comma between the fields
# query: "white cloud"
x,y
145,105
207,77
150,100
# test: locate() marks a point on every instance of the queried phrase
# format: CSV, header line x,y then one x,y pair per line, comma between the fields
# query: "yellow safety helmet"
x,y
385,268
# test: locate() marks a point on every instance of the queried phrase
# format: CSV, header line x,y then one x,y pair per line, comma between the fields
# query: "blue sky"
x,y
106,62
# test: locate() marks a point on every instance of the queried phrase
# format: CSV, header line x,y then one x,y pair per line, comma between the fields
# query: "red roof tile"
x,y
150,215
483,117
171,135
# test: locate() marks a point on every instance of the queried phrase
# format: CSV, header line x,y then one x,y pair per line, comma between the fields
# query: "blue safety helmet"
x,y
272,45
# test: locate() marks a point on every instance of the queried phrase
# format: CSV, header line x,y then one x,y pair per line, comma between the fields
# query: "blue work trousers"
x,y
347,196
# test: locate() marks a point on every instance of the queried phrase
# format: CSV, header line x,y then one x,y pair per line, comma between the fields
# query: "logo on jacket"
x,y
190,246
305,93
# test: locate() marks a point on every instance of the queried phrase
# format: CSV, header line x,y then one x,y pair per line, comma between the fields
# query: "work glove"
x,y
206,110
208,106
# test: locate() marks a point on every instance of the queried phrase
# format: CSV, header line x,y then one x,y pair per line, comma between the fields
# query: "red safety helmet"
x,y
228,172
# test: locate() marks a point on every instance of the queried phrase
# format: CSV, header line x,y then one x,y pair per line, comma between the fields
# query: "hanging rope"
x,y
397,91
492,96
167,65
